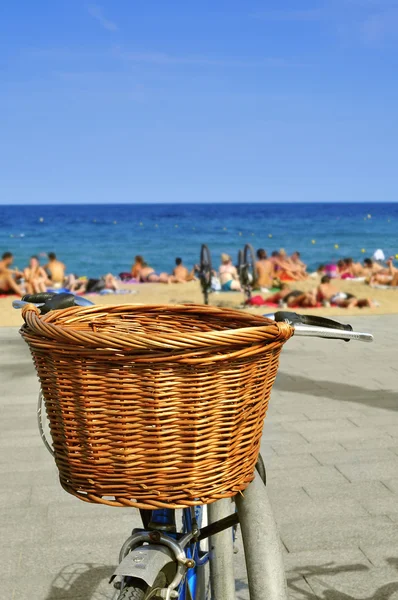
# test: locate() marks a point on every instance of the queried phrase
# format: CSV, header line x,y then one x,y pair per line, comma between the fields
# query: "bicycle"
x,y
164,559
247,270
205,272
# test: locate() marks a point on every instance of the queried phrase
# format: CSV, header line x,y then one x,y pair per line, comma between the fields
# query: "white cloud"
x,y
96,12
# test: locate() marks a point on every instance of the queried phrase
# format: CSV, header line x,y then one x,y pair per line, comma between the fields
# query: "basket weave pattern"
x,y
154,406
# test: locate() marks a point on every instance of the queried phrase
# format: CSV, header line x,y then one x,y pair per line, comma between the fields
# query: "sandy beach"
x,y
154,293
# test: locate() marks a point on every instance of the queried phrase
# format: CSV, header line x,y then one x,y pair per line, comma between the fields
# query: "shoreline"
x,y
156,293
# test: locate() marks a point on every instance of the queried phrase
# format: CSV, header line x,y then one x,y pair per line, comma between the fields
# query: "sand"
x,y
155,293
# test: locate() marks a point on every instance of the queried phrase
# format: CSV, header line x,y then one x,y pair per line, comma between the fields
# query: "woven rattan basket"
x,y
154,406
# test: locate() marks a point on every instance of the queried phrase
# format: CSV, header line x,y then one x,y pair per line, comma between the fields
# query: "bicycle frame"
x,y
183,548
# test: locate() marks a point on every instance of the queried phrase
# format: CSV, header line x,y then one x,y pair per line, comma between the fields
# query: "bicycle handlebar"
x,y
314,326
51,301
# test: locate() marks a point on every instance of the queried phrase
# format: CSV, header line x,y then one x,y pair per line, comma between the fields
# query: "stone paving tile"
x,y
377,584
345,435
43,477
381,506
48,493
294,449
382,556
353,456
309,510
380,441
289,462
320,425
369,470
392,484
335,533
15,496
357,490
305,562
305,476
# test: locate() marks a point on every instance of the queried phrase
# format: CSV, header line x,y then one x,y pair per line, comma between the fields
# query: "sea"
x,y
96,239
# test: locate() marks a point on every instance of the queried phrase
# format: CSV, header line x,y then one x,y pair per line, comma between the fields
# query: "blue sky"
x,y
222,100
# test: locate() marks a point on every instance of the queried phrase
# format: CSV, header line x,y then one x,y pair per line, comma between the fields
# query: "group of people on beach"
x,y
142,272
32,279
283,272
35,278
277,275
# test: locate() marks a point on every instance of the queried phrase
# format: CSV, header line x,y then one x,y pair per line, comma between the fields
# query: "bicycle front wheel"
x,y
135,590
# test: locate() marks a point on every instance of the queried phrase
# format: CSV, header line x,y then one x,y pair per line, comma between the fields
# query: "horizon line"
x,y
200,203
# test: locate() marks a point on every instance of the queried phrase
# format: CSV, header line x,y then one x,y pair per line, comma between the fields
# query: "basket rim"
x,y
58,326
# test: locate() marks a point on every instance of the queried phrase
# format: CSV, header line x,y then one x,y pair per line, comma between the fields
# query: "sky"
x,y
210,101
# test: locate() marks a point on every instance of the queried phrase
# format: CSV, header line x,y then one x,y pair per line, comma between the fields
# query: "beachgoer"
x,y
35,277
90,286
265,270
146,274
293,298
354,268
8,276
181,273
328,294
284,268
229,278
386,277
343,270
295,260
137,266
55,270
371,268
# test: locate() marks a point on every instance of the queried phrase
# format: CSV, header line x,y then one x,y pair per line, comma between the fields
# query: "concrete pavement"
x,y
331,449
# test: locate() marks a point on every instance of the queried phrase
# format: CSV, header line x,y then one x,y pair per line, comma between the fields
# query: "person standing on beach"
x,y
55,270
8,276
265,271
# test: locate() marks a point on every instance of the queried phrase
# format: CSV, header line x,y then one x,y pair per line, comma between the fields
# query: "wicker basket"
x,y
154,406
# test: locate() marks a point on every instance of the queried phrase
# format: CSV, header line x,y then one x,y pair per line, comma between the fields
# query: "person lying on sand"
x,y
265,270
354,268
370,267
388,277
92,286
229,278
55,270
146,274
328,294
293,298
9,277
35,277
181,273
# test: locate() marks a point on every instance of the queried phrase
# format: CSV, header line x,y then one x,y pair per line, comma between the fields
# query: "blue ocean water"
x,y
96,239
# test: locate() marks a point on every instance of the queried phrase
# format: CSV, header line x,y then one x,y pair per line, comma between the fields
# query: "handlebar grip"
x,y
38,298
313,320
57,302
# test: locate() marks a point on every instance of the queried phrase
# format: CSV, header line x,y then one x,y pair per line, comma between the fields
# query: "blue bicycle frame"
x,y
188,587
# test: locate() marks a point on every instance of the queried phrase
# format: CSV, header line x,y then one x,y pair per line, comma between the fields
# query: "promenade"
x,y
331,449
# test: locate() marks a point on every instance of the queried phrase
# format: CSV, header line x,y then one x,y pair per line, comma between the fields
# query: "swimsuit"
x,y
293,294
226,287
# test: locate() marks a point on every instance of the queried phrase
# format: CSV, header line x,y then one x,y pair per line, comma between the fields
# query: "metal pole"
x,y
222,578
263,551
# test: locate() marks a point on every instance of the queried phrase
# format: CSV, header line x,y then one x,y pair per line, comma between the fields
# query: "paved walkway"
x,y
331,448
